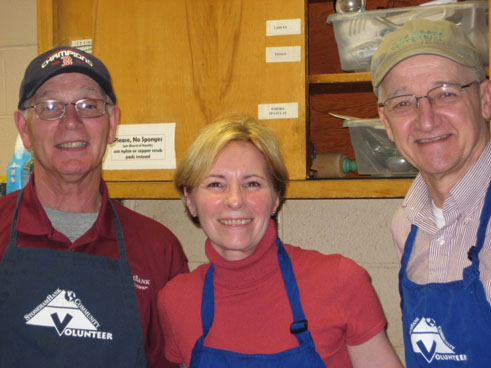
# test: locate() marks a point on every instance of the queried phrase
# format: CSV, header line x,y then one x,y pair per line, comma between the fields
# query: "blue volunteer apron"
x,y
447,324
303,355
68,309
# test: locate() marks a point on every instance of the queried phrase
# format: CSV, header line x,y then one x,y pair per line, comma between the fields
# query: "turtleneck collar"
x,y
248,271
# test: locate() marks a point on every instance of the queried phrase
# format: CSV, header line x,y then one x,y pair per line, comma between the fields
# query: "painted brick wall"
x,y
18,45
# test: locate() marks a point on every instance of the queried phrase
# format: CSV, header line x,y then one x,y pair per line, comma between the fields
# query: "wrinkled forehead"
x,y
70,83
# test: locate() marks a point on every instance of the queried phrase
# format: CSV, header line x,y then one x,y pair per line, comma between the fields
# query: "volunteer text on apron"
x,y
64,308
303,355
447,324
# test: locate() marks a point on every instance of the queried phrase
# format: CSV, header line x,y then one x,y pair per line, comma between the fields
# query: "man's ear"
x,y
113,124
385,121
485,89
22,128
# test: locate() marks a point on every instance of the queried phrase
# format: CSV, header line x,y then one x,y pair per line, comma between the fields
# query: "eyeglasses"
x,y
87,108
441,96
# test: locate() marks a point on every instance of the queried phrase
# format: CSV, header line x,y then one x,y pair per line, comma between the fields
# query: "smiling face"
x,y
441,142
69,148
235,201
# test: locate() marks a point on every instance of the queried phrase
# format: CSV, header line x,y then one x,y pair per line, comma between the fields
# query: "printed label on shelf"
x,y
287,110
283,27
286,54
142,146
84,45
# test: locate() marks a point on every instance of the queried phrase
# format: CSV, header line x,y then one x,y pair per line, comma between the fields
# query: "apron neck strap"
x,y
208,302
119,232
299,326
473,252
408,247
13,232
483,221
117,227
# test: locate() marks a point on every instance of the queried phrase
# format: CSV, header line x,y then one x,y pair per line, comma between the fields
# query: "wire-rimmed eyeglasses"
x,y
86,108
441,96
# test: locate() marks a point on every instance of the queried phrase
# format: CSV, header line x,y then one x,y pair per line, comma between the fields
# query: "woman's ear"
x,y
190,203
276,205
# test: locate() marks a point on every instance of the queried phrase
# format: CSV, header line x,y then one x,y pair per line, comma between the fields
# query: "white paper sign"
x,y
142,146
277,111
285,54
84,45
283,27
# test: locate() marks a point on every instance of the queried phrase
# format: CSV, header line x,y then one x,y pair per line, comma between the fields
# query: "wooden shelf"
x,y
297,189
347,77
339,78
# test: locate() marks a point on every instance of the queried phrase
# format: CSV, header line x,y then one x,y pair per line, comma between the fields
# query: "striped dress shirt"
x,y
440,255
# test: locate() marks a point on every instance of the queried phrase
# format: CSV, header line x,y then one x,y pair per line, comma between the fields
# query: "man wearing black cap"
x,y
79,273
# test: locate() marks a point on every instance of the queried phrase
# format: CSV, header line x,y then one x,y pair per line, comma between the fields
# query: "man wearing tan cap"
x,y
434,100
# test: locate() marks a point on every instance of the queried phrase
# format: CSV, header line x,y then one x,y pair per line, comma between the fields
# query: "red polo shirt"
x,y
154,253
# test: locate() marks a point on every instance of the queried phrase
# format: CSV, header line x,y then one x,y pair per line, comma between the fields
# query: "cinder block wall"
x,y
18,45
356,228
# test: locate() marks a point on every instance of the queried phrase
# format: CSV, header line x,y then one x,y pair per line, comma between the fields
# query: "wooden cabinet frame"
x,y
312,189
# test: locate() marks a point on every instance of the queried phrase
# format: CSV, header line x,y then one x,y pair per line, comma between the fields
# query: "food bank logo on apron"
x,y
428,340
63,311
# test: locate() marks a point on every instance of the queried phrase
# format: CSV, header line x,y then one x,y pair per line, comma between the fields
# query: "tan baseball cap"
x,y
422,36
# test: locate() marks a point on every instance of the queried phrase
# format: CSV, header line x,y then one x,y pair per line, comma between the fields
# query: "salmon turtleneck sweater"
x,y
252,311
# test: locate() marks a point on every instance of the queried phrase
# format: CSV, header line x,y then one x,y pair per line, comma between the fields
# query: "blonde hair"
x,y
197,162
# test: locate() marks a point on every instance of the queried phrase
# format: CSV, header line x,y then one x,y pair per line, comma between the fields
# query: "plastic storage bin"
x,y
375,154
359,34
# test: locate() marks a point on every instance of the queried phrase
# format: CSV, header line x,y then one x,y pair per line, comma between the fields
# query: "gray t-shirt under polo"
x,y
72,224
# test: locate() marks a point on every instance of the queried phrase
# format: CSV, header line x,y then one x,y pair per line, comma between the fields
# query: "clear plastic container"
x,y
375,154
359,34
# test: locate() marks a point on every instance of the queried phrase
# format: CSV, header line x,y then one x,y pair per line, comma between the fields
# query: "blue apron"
x,y
447,324
68,309
303,355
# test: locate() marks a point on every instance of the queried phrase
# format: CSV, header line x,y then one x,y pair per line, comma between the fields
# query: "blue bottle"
x,y
19,168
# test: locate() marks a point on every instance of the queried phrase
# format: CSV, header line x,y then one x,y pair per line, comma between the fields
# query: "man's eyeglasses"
x,y
441,96
86,108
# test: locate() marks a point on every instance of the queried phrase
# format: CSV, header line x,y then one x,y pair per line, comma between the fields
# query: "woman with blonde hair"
x,y
259,302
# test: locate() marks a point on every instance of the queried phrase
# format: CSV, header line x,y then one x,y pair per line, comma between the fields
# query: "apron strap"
x,y
483,225
408,248
119,232
207,302
472,272
299,326
117,227
13,232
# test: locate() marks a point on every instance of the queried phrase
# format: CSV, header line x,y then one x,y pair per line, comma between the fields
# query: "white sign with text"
x,y
142,147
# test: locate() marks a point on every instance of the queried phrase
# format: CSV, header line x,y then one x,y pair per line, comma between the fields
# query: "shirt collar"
x,y
469,190
464,195
32,219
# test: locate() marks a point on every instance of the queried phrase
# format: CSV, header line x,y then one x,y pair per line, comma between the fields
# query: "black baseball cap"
x,y
60,60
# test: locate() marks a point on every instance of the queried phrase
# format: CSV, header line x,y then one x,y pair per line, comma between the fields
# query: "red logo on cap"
x,y
67,60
